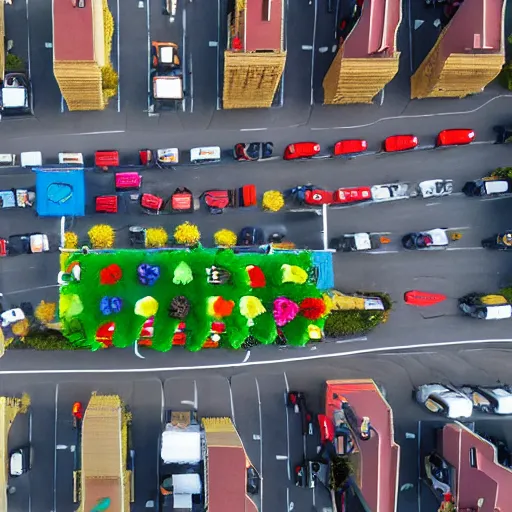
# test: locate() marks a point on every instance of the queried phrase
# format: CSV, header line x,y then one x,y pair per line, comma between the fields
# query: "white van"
x,y
31,159
71,158
206,155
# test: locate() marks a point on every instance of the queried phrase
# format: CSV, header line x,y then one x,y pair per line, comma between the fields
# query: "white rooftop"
x,y
13,97
168,88
189,483
167,54
181,447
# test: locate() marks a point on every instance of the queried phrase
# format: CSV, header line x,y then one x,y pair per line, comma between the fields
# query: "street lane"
x,y
396,374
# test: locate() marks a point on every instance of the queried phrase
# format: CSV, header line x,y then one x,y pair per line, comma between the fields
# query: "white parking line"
x,y
218,53
261,443
28,42
287,425
312,99
118,32
253,129
55,449
148,25
232,405
191,86
184,59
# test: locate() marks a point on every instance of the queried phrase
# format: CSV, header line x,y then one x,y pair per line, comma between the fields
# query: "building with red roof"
x,y
367,57
468,54
480,482
80,52
377,459
226,468
255,57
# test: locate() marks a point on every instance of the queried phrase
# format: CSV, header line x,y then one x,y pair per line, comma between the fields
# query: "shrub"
x,y
48,340
108,30
70,240
102,236
348,323
21,328
45,312
187,234
341,470
109,77
272,201
502,172
14,63
225,238
156,237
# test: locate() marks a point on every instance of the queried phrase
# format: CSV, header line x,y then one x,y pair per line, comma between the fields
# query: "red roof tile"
x,y
375,31
380,454
227,479
72,31
259,34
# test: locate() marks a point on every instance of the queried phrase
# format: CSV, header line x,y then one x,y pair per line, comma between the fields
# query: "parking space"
x,y
426,23
144,401
47,97
133,64
16,31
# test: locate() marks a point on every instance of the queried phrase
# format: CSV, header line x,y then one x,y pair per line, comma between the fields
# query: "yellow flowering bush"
x,y
187,234
45,312
21,328
225,238
109,77
70,240
102,236
156,237
273,201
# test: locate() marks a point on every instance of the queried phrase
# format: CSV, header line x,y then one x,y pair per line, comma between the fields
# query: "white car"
x,y
440,399
391,191
494,399
435,188
11,316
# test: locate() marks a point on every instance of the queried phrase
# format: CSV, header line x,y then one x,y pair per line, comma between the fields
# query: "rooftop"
x,y
72,31
375,32
476,27
379,455
227,475
488,480
263,32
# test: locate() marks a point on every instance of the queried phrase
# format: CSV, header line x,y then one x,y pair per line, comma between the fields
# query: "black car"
x,y
253,480
503,134
251,235
499,242
252,151
310,473
297,401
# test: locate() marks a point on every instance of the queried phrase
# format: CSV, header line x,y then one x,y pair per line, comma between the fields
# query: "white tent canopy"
x,y
181,447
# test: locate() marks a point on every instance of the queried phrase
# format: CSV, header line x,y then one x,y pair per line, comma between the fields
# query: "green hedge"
x,y
502,172
46,340
349,323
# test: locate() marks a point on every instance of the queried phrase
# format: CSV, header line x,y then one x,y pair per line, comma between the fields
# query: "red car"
x,y
301,150
349,147
3,247
352,195
317,197
400,143
106,204
455,137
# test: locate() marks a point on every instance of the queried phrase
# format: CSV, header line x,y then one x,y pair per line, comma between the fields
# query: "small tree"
x,y
70,240
273,201
187,234
225,238
14,63
21,328
102,236
156,237
45,312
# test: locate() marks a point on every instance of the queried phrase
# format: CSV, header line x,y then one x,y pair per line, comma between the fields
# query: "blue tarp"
x,y
60,191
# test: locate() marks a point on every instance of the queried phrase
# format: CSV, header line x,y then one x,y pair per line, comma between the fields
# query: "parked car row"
x,y
247,151
454,402
28,243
